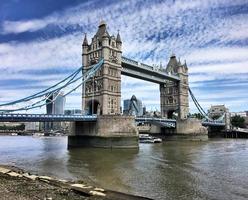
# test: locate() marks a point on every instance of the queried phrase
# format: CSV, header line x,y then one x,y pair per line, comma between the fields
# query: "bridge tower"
x,y
174,95
102,94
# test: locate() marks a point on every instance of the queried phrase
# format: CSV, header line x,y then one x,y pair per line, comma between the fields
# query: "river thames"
x,y
216,169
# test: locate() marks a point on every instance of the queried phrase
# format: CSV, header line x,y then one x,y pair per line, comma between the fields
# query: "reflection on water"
x,y
216,169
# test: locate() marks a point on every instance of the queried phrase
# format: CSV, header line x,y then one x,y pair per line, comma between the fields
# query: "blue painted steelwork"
x,y
129,67
83,78
169,123
213,123
45,118
44,92
207,121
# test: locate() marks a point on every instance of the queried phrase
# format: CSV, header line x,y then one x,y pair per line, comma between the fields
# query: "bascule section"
x,y
102,93
174,101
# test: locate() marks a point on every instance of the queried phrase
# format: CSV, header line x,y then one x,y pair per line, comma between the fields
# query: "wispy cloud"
x,y
23,26
211,35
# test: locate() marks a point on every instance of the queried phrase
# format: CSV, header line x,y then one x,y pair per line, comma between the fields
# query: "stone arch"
x,y
170,114
93,107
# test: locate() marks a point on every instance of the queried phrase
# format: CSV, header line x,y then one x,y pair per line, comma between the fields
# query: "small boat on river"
x,y
146,138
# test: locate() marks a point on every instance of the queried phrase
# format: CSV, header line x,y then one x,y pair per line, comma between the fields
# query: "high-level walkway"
x,y
145,72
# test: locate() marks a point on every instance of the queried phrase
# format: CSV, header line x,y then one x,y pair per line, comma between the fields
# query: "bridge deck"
x,y
213,123
53,118
45,118
88,118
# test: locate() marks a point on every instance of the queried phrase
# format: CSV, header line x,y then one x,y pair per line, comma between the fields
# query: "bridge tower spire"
x,y
102,95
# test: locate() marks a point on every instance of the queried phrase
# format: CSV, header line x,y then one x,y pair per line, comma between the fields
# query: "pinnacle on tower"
x,y
102,31
118,38
179,62
85,42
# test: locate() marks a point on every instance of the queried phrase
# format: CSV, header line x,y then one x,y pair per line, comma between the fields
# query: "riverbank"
x,y
17,184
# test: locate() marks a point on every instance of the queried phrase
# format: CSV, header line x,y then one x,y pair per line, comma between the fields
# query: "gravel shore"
x,y
15,184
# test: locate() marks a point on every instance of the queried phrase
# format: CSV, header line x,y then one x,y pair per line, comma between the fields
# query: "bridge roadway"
x,y
170,123
45,118
213,123
145,72
162,122
87,118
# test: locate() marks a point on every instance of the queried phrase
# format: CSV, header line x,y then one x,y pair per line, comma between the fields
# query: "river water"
x,y
216,169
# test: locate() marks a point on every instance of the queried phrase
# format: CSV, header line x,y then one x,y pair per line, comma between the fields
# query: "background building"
x,y
241,114
217,111
55,105
32,126
73,112
132,106
246,113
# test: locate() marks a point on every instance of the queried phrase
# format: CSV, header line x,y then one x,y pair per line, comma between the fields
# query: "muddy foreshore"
x,y
16,184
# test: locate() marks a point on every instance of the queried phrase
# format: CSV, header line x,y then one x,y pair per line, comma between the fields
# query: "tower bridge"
x,y
103,94
102,124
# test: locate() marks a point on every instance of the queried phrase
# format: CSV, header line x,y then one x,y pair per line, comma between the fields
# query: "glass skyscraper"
x,y
133,106
55,103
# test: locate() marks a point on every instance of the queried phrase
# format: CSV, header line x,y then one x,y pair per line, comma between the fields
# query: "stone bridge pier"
x,y
108,132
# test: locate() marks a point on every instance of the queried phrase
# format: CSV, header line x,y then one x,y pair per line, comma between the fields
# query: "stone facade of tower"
x,y
174,95
102,94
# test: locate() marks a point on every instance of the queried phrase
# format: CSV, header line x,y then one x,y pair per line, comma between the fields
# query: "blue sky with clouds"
x,y
40,43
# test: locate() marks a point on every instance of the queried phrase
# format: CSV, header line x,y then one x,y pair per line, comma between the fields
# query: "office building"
x,y
132,106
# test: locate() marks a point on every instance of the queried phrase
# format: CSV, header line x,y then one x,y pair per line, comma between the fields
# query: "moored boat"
x,y
146,138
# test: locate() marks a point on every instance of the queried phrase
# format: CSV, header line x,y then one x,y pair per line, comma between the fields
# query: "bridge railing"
x,y
138,64
154,119
130,60
147,66
51,117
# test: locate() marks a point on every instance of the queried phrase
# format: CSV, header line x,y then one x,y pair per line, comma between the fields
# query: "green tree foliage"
x,y
18,127
238,121
216,117
196,115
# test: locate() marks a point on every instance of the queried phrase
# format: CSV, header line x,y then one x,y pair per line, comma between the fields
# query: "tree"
x,y
196,115
215,117
238,121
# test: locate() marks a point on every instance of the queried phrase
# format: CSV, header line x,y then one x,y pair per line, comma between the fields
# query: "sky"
x,y
40,44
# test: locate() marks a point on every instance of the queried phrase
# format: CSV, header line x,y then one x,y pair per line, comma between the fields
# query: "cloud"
x,y
59,52
217,54
210,35
23,26
221,69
